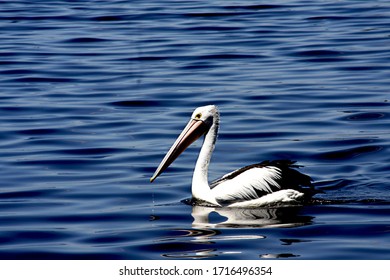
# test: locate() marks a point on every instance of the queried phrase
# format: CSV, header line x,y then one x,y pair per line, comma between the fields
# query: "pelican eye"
x,y
198,116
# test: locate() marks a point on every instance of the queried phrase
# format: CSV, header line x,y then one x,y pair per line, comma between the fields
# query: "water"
x,y
92,95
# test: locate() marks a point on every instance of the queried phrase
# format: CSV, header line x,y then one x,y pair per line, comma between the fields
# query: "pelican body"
x,y
263,184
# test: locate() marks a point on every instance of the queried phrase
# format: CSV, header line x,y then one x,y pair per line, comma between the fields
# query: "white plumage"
x,y
245,185
262,184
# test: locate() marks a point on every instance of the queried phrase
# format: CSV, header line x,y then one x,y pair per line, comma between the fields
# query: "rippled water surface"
x,y
93,93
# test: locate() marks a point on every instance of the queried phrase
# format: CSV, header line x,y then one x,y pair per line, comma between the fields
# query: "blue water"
x,y
93,93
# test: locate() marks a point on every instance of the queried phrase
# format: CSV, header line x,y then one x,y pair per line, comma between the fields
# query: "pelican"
x,y
262,184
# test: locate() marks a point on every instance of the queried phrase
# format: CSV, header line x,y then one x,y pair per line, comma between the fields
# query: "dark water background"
x,y
93,93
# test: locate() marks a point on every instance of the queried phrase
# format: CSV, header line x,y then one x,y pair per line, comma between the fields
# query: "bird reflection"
x,y
213,217
207,238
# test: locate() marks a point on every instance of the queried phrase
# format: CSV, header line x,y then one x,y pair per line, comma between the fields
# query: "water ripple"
x,y
92,96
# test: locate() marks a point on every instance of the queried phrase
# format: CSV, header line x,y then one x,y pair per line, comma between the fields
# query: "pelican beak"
x,y
193,130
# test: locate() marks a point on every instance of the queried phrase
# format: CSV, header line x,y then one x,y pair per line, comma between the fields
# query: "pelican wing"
x,y
257,180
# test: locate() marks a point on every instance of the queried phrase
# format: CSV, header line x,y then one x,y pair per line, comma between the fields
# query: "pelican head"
x,y
200,123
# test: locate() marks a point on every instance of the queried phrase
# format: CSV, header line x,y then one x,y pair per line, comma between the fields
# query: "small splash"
x,y
154,218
